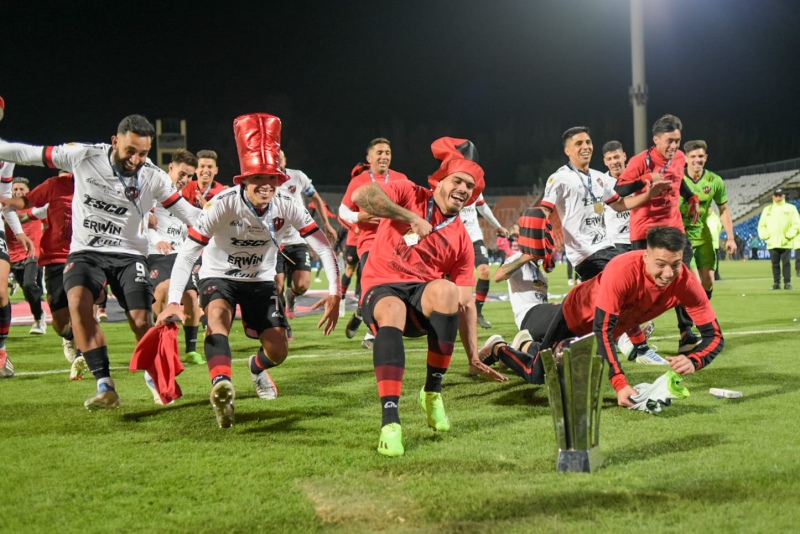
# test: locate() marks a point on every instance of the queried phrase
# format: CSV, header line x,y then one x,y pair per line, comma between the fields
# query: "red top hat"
x,y
258,142
457,155
2,107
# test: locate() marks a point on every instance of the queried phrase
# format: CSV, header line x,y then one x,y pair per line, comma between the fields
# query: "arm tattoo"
x,y
374,201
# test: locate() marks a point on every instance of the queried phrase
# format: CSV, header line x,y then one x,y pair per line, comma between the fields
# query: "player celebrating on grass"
x,y
242,230
633,288
115,187
419,281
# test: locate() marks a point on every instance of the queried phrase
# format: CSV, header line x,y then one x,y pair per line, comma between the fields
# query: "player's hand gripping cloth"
x,y
660,393
536,236
157,353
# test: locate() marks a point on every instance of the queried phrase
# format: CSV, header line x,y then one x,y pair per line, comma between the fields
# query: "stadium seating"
x,y
745,192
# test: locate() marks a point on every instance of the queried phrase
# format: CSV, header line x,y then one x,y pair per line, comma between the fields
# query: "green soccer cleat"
x,y
391,442
432,404
194,357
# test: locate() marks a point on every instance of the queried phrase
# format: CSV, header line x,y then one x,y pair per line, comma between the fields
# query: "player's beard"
x,y
122,169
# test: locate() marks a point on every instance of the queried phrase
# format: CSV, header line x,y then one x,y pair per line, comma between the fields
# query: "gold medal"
x,y
598,208
411,238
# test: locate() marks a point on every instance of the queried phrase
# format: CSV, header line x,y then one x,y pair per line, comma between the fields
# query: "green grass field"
x,y
306,462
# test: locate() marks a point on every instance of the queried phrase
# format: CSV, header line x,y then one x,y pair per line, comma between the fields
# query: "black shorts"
x,y
410,293
481,254
54,283
622,248
161,269
259,302
594,264
293,258
126,274
548,325
351,255
4,248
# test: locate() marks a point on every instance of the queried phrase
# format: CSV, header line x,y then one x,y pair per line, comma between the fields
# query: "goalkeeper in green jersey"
x,y
708,187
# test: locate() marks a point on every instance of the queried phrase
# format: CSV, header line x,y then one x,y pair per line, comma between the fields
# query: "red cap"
x,y
457,155
2,107
258,142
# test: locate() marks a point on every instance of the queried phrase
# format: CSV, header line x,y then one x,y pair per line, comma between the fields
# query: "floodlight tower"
x,y
638,88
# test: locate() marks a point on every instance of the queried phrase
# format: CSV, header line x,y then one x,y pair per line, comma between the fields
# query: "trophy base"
x,y
577,461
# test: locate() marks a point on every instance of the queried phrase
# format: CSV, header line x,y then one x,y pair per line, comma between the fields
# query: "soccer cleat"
x,y
391,441
483,322
39,327
776,286
193,357
12,287
148,381
688,342
571,282
222,396
102,316
352,326
651,357
78,368
69,349
289,334
368,342
485,353
6,367
106,399
649,327
431,403
265,386
787,286
522,337
291,303
318,279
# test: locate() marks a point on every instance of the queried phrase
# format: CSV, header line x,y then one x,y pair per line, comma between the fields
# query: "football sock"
x,y
527,364
389,359
345,284
441,341
97,360
190,335
5,324
261,362
708,293
218,356
481,290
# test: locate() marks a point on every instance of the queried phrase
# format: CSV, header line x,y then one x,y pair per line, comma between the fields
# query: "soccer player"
x,y
205,187
663,161
419,281
26,270
351,264
55,195
294,260
633,288
379,157
708,187
116,185
618,225
164,241
242,230
469,216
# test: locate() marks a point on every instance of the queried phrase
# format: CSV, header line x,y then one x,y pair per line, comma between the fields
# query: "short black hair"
x,y
21,180
136,124
667,123
575,130
184,156
695,145
611,146
378,141
207,154
666,237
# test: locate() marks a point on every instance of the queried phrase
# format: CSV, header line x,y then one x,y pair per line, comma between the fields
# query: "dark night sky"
x,y
510,75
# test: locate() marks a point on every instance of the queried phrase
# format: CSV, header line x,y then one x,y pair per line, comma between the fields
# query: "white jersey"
x,y
104,219
169,229
521,291
297,186
10,215
618,223
573,196
469,216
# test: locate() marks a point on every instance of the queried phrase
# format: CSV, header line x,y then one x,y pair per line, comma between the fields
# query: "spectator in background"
x,y
778,226
796,247
503,246
204,187
755,243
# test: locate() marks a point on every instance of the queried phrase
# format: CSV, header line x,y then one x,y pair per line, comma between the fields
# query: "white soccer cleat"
x,y
651,357
69,349
265,386
625,346
102,316
78,368
222,396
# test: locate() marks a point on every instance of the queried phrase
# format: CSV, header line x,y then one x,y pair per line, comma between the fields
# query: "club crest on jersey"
x,y
209,290
277,223
154,274
600,181
292,189
706,190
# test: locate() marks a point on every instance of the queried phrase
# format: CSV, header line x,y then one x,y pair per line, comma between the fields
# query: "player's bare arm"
x,y
506,270
373,200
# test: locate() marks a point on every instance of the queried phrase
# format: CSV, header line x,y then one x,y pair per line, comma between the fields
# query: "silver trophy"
x,y
574,378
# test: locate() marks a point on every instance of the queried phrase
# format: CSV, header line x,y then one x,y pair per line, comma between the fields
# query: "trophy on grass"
x,y
574,378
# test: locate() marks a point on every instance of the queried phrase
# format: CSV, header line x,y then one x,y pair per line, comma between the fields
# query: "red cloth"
x,y
191,189
157,353
57,193
32,229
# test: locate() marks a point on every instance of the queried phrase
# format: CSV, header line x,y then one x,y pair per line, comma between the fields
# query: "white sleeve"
x,y
10,214
552,191
40,213
347,214
487,214
320,244
22,154
308,187
182,269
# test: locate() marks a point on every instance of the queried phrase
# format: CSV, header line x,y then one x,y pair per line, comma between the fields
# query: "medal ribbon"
x,y
587,185
270,225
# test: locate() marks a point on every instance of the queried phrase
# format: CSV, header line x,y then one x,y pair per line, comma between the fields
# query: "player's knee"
x,y
442,296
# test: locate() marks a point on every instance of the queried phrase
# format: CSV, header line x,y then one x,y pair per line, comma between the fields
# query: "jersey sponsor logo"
x,y
100,226
243,260
277,315
236,273
255,230
102,186
103,241
104,206
176,231
390,404
278,223
623,215
208,205
237,223
248,242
